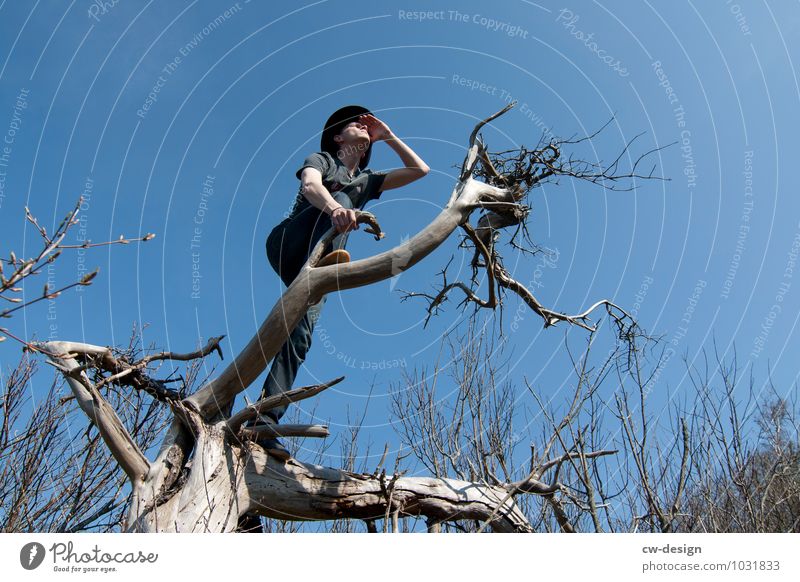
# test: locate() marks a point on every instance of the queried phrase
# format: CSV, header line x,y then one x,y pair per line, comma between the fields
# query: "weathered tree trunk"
x,y
226,479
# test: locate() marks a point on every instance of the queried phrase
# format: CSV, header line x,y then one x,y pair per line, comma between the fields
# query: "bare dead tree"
x,y
208,472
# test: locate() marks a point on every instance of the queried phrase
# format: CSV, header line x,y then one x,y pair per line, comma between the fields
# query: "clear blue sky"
x,y
237,99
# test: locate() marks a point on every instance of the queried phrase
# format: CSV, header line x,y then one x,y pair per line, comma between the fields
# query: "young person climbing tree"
x,y
334,183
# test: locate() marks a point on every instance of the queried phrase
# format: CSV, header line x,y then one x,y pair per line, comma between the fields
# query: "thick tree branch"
x,y
114,433
313,492
287,430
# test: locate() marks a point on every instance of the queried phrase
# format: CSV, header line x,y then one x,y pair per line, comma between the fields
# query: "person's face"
x,y
353,133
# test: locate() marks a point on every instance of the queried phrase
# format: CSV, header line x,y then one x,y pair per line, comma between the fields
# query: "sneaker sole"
x,y
336,257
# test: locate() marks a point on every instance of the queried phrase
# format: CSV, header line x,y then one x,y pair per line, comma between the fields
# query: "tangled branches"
x,y
518,172
528,168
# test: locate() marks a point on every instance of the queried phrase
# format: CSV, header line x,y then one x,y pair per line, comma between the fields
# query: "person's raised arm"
x,y
317,194
414,169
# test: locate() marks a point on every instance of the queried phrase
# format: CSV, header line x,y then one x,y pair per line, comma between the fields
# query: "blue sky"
x,y
139,104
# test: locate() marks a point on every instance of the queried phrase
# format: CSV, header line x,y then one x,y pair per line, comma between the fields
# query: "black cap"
x,y
334,126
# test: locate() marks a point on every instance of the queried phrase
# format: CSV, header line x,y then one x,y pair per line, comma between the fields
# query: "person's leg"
x,y
287,260
287,362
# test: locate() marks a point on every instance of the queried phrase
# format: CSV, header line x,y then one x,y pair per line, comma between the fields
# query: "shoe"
x,y
334,258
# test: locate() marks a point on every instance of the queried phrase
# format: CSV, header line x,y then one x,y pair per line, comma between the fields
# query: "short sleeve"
x,y
318,161
374,184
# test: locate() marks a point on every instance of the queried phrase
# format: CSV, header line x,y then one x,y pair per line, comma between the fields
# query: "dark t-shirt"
x,y
361,188
290,242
